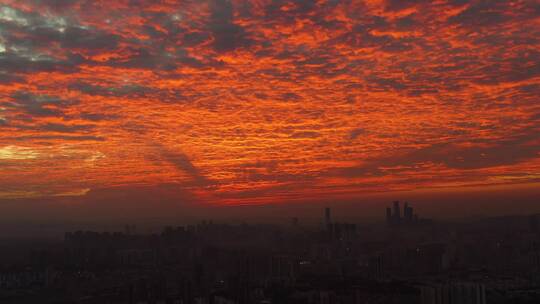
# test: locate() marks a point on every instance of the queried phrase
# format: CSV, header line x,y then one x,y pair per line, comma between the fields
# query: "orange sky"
x,y
253,102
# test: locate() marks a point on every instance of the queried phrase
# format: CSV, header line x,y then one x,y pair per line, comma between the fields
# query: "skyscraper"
x,y
407,213
395,217
397,213
533,222
327,219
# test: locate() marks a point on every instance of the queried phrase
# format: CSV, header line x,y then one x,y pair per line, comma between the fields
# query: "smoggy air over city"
x,y
269,151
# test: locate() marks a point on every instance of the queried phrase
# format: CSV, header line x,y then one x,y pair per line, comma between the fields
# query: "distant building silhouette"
x,y
408,213
376,267
397,213
454,293
533,223
327,219
294,221
394,215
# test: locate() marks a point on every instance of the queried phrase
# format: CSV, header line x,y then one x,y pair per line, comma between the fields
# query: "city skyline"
x,y
408,259
269,151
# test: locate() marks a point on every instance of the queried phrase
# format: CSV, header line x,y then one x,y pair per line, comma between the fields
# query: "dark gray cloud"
x,y
87,39
182,162
356,132
63,128
397,5
300,9
158,59
290,96
482,13
131,90
145,58
38,105
57,137
195,38
378,83
514,69
227,35
33,31
54,127
34,42
10,78
16,63
57,5
452,155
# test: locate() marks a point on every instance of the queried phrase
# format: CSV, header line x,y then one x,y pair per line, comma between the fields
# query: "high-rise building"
x,y
327,219
397,213
389,216
407,213
376,267
533,222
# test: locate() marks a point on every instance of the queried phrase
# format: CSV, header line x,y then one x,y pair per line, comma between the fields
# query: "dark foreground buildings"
x,y
408,260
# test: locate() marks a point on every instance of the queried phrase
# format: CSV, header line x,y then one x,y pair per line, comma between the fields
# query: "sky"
x,y
261,102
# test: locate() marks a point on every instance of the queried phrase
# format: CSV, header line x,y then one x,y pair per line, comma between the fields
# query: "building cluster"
x,y
338,230
454,293
394,216
485,261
